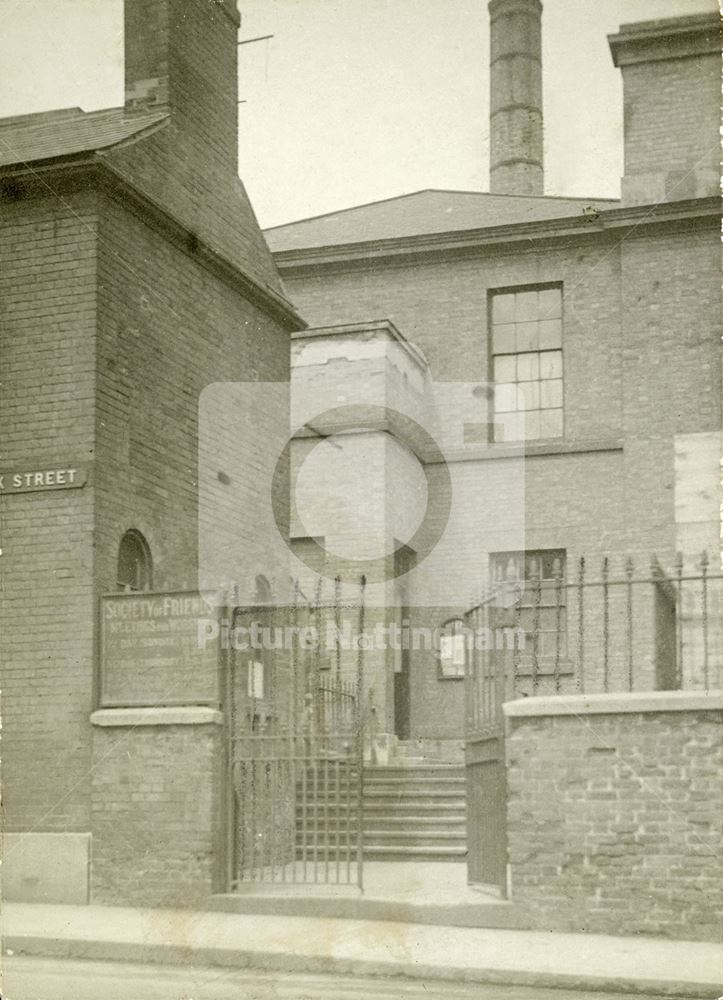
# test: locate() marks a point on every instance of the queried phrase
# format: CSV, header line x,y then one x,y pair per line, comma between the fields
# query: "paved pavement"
x,y
419,882
62,979
421,892
580,962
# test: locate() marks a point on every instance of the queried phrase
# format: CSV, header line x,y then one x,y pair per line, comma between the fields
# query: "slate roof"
x,y
51,134
423,213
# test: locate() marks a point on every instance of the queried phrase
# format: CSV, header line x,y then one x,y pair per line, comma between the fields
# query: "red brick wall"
x,y
47,368
111,331
641,307
441,307
641,355
671,308
110,334
167,330
157,793
671,117
615,822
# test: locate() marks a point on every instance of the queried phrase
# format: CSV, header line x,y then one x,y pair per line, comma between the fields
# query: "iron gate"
x,y
295,747
488,672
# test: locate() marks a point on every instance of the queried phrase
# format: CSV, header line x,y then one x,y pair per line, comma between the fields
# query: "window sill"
x,y
529,449
545,668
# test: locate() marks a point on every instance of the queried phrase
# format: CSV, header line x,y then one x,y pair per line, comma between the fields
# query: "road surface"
x,y
26,978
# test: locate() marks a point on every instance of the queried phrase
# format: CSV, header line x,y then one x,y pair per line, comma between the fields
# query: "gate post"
x,y
156,794
487,671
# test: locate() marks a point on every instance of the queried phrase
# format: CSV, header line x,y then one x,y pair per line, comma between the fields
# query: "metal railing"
x,y
605,625
336,707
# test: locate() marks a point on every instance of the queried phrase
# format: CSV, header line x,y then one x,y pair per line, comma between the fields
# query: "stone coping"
x,y
667,38
616,703
385,327
187,715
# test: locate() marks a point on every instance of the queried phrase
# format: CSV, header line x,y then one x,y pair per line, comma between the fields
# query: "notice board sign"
x,y
158,649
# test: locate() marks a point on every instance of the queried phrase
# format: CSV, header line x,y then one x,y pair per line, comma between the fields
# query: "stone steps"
x,y
411,812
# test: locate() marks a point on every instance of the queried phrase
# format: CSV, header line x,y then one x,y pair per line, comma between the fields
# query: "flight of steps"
x,y
415,812
412,812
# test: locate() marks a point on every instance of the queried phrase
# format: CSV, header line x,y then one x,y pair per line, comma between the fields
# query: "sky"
x,y
353,101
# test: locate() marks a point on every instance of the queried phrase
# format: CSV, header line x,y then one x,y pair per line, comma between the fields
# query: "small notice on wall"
x,y
255,679
151,653
69,477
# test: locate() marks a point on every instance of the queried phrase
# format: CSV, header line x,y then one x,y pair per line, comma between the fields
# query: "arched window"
x,y
135,570
264,593
452,648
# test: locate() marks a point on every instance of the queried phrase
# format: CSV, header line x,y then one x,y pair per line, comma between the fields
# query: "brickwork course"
x,y
615,822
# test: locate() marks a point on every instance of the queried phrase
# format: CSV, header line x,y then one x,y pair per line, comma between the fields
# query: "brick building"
x,y
134,275
135,278
600,318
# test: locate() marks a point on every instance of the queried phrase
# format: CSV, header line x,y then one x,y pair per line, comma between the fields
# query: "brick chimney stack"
x,y
516,97
672,64
181,57
181,61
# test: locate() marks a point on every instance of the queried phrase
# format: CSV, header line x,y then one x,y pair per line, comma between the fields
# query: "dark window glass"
x,y
134,563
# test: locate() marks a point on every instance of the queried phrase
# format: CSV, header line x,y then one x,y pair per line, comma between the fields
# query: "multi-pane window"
x,y
539,578
527,362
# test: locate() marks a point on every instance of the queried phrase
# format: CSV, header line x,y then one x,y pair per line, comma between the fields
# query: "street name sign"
x,y
34,480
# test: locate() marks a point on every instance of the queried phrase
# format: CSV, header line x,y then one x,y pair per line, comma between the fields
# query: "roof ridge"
x,y
55,114
46,118
459,191
531,197
557,197
349,208
404,242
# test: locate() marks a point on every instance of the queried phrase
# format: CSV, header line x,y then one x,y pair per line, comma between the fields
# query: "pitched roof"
x,y
422,213
50,134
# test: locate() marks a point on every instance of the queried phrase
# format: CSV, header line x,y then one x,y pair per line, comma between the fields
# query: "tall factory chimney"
x,y
516,97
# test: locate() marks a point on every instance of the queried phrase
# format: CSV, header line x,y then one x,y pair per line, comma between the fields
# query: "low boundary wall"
x,y
615,805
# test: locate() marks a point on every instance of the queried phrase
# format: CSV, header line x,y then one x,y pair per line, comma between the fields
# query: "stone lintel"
x,y
187,715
